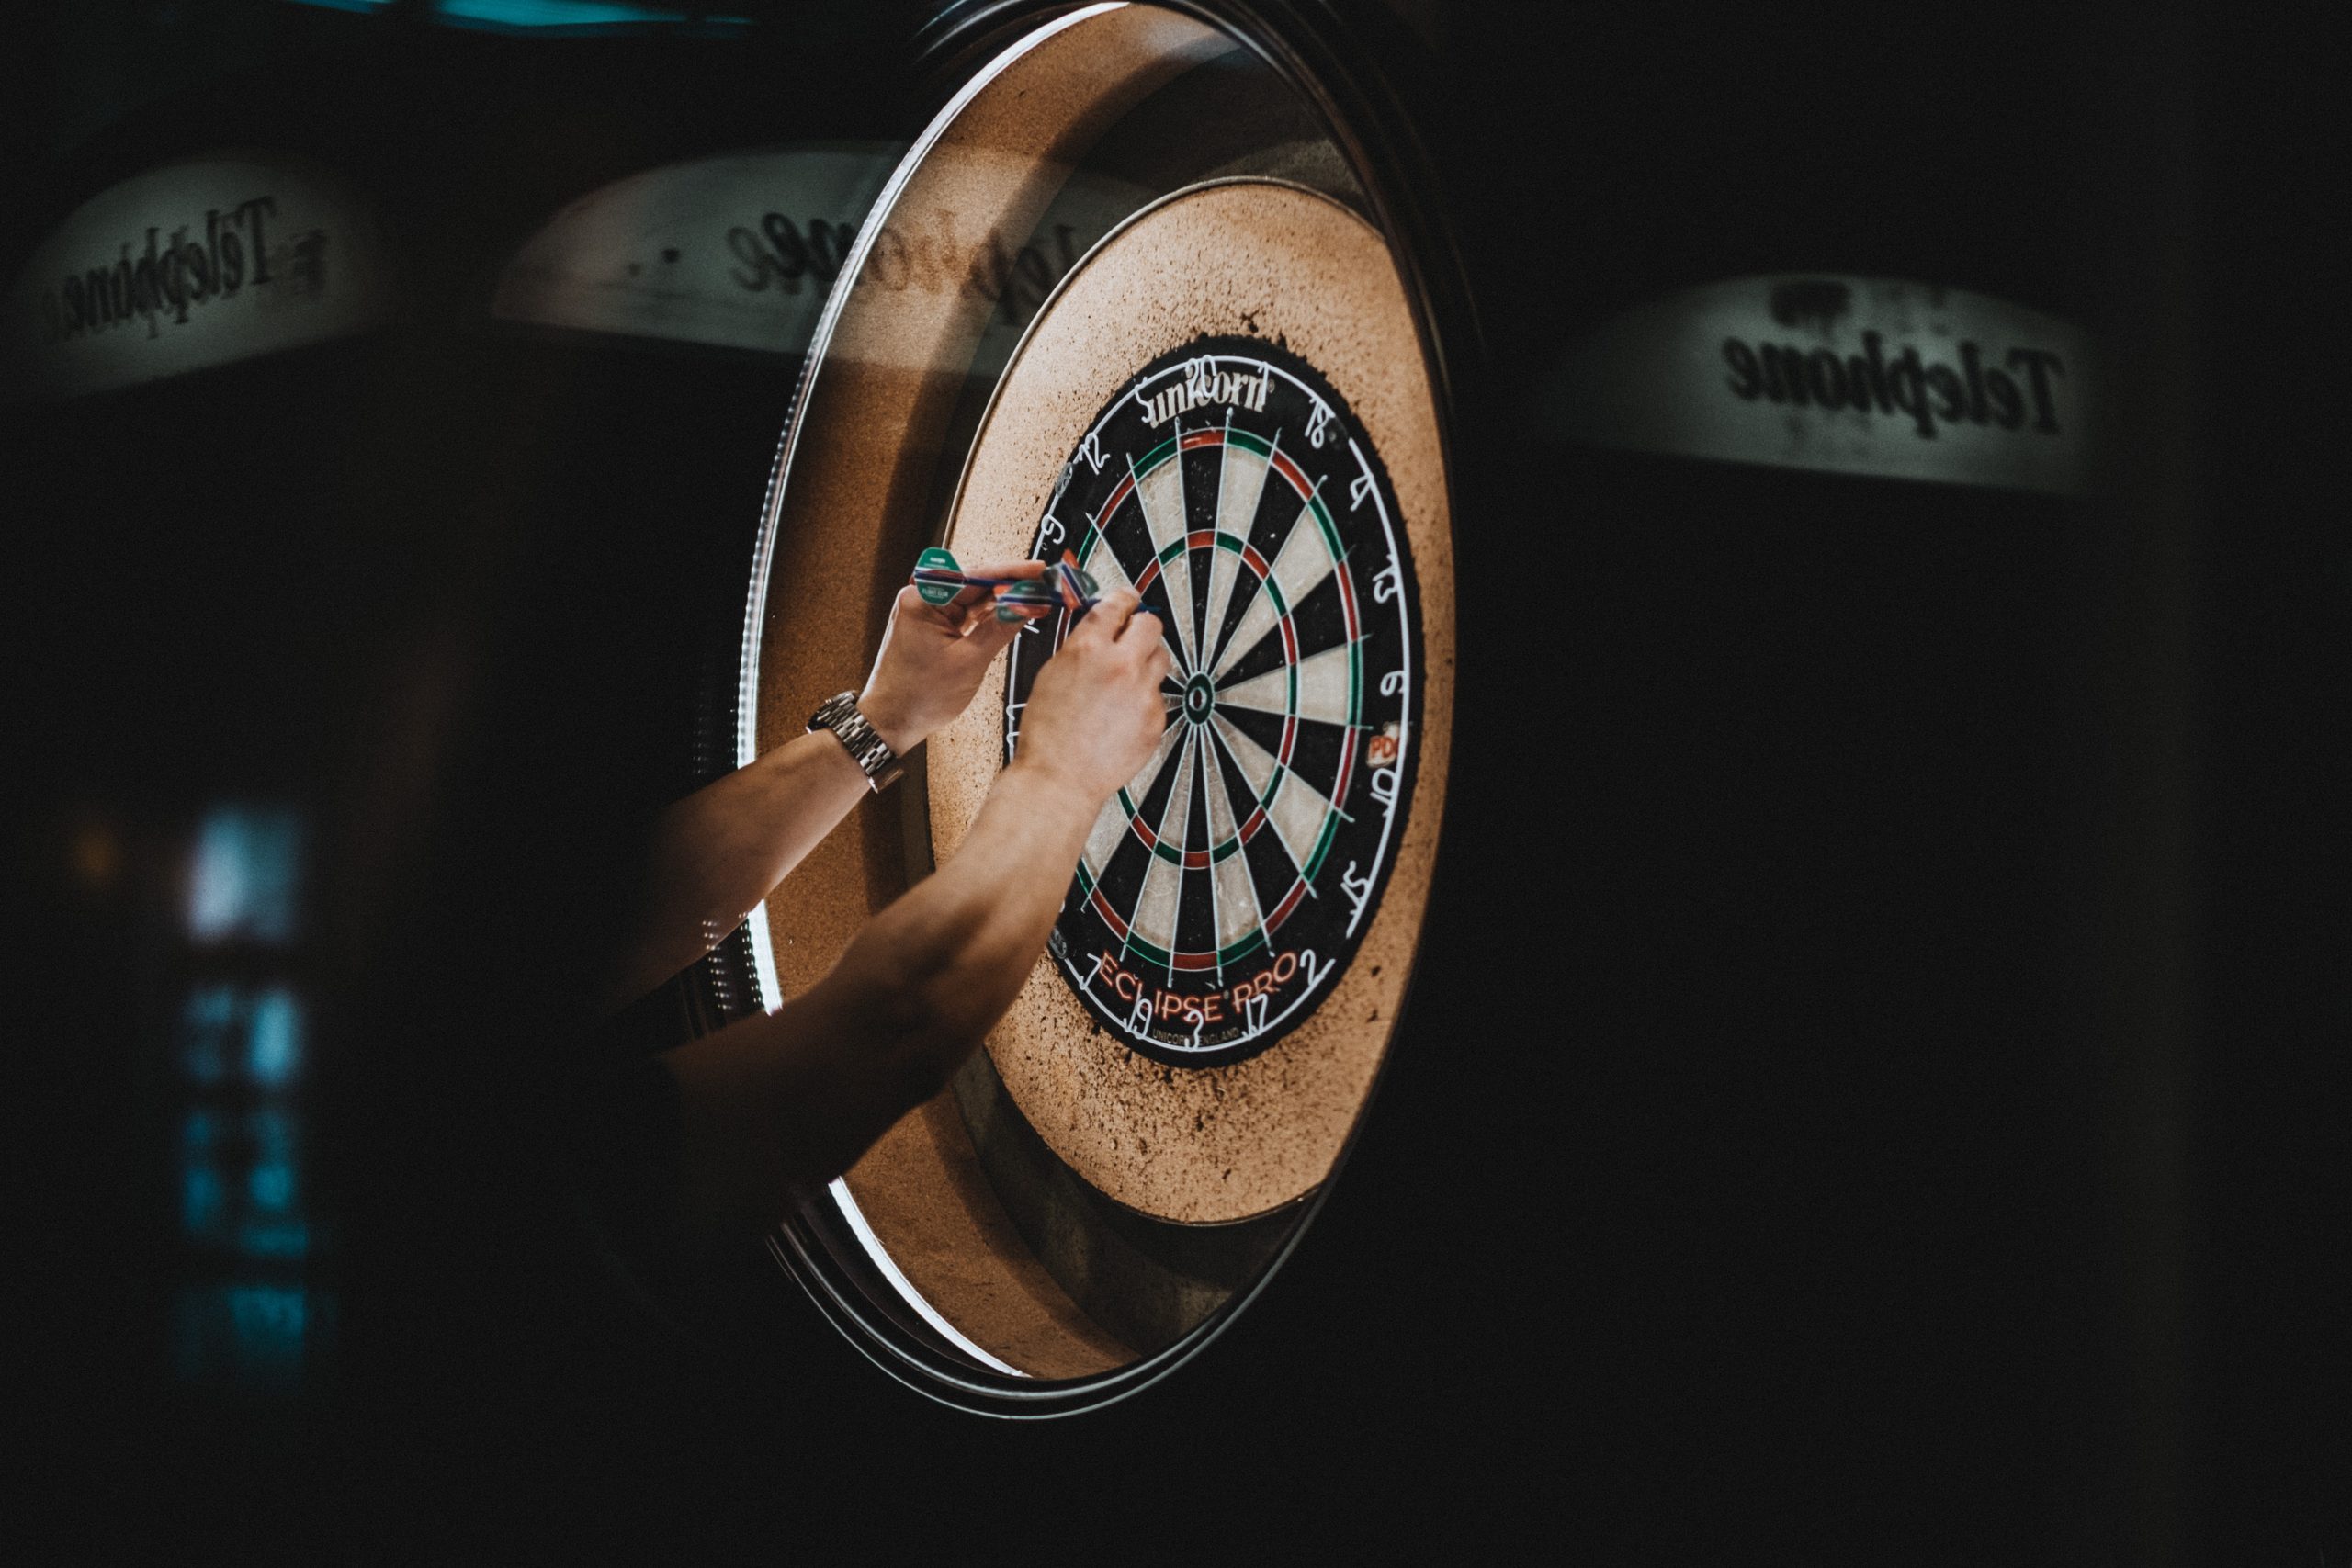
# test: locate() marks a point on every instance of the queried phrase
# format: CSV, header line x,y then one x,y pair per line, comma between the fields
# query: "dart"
x,y
938,578
1063,587
1026,594
1077,589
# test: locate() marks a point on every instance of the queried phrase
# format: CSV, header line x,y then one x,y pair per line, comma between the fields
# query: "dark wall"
x,y
1870,1093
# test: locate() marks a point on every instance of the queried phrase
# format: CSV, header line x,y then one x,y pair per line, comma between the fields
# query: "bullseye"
x,y
1200,698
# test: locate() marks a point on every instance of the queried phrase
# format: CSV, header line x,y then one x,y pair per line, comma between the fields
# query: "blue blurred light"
x,y
247,868
248,1334
572,16
559,17
198,1131
270,1181
271,1186
274,1045
203,1195
201,1199
206,1019
289,1239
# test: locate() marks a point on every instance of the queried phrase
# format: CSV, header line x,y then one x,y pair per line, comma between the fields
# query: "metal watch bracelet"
x,y
872,755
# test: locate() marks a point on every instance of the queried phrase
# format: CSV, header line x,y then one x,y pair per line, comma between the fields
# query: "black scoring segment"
x,y
1196,913
1318,623
1122,879
1129,536
1265,728
1203,483
1246,587
1315,749
1153,806
1321,619
1280,509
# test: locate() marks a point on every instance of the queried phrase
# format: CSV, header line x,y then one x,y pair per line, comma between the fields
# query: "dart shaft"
x,y
963,580
1046,606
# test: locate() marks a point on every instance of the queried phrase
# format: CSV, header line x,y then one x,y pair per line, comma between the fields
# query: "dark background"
x,y
1874,1086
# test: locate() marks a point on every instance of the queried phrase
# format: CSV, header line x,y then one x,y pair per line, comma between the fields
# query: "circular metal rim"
x,y
1394,172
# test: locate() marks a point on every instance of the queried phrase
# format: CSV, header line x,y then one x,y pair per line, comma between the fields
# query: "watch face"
x,y
1225,889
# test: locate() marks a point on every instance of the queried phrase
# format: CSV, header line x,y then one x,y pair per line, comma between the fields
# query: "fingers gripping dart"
x,y
939,577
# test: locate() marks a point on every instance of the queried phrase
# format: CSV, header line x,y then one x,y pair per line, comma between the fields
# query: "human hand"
x,y
1095,714
932,657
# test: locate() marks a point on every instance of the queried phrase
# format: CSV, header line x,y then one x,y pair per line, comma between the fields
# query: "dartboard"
x,y
1228,403
1224,888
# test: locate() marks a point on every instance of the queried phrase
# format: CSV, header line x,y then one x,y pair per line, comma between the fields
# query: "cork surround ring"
x,y
1228,404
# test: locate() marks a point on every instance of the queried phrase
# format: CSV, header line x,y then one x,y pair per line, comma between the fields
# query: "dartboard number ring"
x,y
1224,890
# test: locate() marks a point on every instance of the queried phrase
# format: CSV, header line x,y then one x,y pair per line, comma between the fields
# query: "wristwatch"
x,y
868,750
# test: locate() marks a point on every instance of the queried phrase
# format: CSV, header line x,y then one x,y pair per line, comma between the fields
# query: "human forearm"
x,y
721,849
717,853
796,1097
958,946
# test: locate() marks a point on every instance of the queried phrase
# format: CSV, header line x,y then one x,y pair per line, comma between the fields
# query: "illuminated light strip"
x,y
838,1191
763,958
